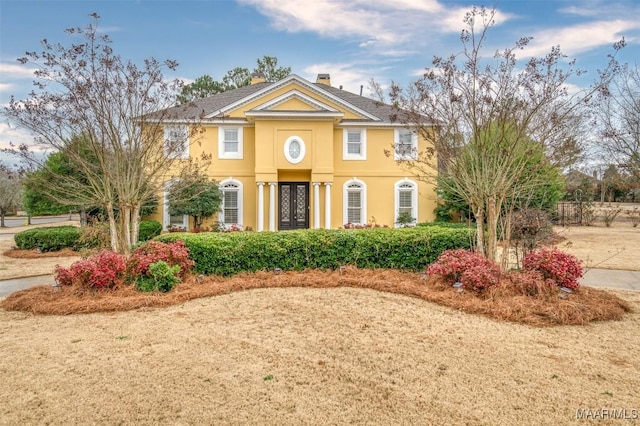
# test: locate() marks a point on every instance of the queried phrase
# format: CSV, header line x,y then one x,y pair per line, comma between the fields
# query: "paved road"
x,y
9,286
14,222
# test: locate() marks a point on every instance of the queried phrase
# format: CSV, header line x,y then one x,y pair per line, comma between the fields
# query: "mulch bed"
x,y
35,254
500,303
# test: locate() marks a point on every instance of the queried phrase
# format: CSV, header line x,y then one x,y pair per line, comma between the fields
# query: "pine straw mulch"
x,y
35,254
580,307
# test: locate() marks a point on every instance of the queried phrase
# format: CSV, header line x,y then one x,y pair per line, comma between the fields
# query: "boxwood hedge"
x,y
48,239
149,229
406,248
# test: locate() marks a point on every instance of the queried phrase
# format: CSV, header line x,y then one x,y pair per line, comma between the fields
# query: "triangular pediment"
x,y
294,100
293,94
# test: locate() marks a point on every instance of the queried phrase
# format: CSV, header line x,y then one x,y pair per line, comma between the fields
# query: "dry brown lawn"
x,y
597,246
23,265
314,356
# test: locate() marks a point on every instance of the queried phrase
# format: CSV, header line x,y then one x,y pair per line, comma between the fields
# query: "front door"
x,y
293,199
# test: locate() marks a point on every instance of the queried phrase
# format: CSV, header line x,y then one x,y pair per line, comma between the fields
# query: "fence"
x,y
570,213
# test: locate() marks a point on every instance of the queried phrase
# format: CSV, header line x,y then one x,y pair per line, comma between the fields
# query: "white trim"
x,y
327,205
222,154
363,200
260,206
277,85
414,145
316,205
166,217
397,187
363,145
287,145
272,205
294,94
238,184
307,115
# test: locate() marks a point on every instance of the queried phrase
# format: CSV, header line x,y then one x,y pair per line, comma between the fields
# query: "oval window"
x,y
294,149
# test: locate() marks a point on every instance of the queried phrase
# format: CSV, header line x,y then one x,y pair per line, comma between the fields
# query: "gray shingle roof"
x,y
202,107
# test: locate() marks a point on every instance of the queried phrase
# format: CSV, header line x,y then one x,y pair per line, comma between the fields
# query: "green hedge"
x,y
454,225
406,248
48,239
149,229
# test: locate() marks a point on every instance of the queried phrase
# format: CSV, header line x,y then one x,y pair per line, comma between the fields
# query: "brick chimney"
x,y
324,79
257,77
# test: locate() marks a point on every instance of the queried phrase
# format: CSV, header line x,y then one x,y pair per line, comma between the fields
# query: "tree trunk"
x,y
479,213
135,224
113,228
2,220
492,229
83,216
506,248
125,229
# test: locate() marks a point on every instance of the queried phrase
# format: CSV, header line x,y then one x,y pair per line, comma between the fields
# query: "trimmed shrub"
x,y
472,269
161,277
102,271
174,254
149,229
451,225
48,238
404,248
563,268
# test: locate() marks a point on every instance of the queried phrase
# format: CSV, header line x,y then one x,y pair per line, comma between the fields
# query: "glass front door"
x,y
293,201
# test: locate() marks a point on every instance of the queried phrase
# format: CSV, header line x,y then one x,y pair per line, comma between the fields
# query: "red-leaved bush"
x,y
175,253
471,269
101,271
563,268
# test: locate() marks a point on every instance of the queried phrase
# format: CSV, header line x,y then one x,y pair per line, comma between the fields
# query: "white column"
x,y
316,205
327,205
260,206
272,206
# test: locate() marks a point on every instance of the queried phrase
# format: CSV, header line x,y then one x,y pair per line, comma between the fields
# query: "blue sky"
x,y
352,40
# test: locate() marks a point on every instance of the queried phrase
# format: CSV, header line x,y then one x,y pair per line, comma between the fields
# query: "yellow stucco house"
x,y
295,154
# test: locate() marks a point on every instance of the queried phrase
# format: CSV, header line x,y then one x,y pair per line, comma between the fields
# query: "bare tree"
x,y
485,116
620,119
86,90
10,192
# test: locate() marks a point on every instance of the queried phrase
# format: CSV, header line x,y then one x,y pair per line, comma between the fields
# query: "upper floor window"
x,y
354,145
355,202
406,144
176,141
230,143
294,149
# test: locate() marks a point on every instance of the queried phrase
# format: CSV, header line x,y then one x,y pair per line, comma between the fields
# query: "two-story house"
x,y
295,154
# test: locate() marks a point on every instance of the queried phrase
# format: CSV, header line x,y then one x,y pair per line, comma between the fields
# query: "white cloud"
x,y
376,23
579,38
12,71
349,76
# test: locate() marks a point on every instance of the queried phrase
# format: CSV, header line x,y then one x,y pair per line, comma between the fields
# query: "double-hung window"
x,y
406,144
230,143
354,144
176,141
